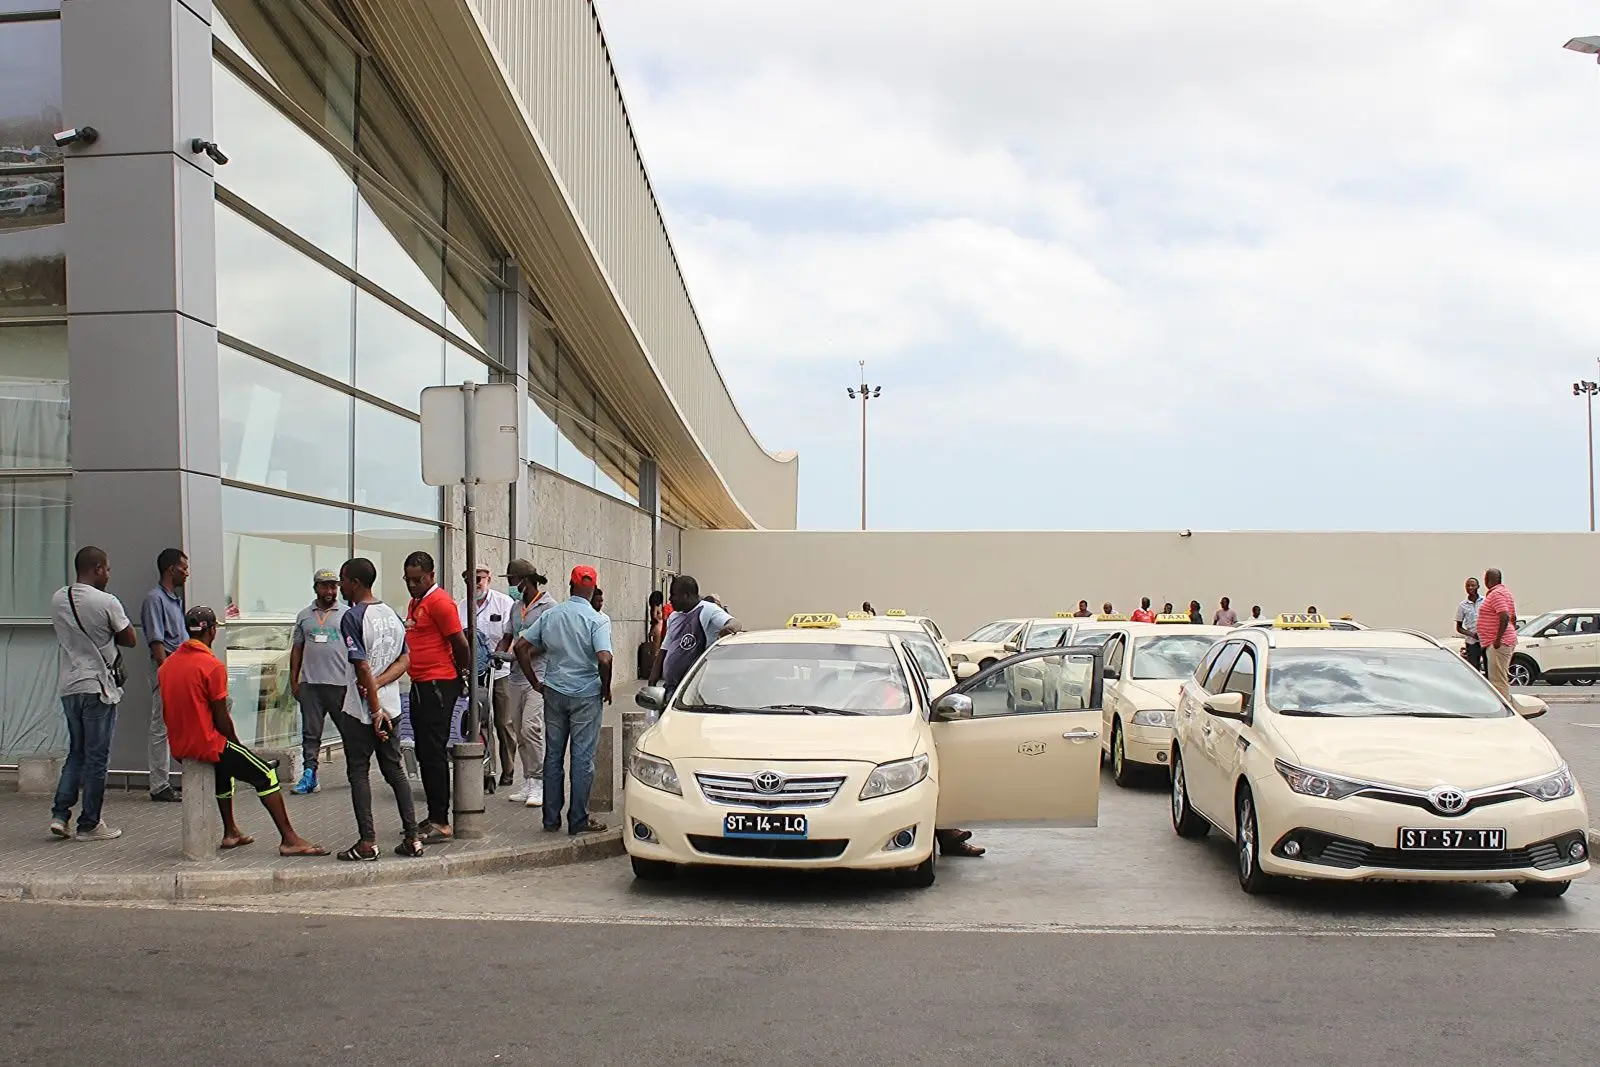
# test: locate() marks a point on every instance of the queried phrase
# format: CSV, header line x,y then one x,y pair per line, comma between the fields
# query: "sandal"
x,y
354,854
410,848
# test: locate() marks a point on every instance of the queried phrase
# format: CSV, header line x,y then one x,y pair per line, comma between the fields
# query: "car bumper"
x,y
845,832
1150,745
1357,839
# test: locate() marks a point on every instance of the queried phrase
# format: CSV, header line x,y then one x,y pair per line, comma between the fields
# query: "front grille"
x,y
1318,847
1415,801
793,791
757,849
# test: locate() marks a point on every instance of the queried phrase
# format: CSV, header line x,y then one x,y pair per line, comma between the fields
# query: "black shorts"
x,y
238,763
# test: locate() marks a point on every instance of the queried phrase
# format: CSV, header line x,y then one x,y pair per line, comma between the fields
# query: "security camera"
x,y
200,144
77,135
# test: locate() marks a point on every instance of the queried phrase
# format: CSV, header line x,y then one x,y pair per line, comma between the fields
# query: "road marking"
x,y
1586,725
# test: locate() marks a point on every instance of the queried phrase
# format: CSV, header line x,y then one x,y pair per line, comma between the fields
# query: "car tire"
x,y
653,870
922,875
1583,681
1186,822
1247,846
1541,890
985,664
1122,772
1523,671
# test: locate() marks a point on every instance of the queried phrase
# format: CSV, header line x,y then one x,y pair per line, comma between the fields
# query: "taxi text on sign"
x,y
495,439
1301,621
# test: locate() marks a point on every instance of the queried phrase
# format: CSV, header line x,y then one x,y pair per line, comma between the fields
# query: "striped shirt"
x,y
1497,600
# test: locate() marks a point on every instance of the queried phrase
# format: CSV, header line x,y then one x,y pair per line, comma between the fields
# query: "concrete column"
x,y
141,303
202,822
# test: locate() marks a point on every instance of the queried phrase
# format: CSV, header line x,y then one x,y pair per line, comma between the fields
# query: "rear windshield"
x,y
797,678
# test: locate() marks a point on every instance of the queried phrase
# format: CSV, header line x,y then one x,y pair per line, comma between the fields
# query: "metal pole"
x,y
469,813
1590,398
863,444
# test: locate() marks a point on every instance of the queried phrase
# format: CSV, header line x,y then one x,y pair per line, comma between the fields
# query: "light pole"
x,y
866,393
1587,390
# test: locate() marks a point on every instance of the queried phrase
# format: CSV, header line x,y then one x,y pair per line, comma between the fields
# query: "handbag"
x,y
119,677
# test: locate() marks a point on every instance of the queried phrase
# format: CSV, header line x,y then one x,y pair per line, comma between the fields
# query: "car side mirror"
x,y
952,706
1226,705
1111,674
651,698
1528,707
1012,647
965,671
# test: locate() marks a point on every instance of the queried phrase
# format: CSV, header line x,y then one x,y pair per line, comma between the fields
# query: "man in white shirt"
x,y
494,623
90,624
1467,627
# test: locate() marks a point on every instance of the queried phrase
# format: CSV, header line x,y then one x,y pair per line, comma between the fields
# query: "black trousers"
x,y
360,745
1477,657
433,705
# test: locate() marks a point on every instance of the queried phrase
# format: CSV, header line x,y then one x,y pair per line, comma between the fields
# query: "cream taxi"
x,y
1145,665
985,646
939,673
1029,635
921,620
1033,685
823,746
1370,754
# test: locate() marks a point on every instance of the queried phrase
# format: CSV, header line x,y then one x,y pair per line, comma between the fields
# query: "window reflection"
x,y
539,445
396,358
469,299
35,543
299,55
392,145
33,397
276,298
575,449
281,430
33,271
389,464
387,542
30,92
460,367
37,198
398,254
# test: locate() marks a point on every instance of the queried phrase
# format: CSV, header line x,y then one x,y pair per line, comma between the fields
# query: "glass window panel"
x,y
35,544
540,428
37,198
33,267
282,301
469,298
223,31
575,449
32,725
282,430
387,542
389,464
398,254
278,167
30,92
617,465
301,56
12,7
572,390
33,397
460,367
390,142
396,358
271,546
542,346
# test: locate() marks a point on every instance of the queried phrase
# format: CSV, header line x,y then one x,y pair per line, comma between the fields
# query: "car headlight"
x,y
956,657
895,777
1555,786
1315,783
1152,717
655,773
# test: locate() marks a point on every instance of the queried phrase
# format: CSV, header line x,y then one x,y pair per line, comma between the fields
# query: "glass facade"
x,y
569,429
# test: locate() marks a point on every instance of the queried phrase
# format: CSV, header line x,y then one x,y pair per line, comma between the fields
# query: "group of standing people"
x,y
1487,621
1225,615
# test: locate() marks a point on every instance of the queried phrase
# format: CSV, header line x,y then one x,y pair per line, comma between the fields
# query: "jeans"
x,y
90,724
317,702
577,718
432,704
360,745
160,755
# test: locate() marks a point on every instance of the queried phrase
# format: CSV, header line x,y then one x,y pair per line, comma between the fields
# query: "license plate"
x,y
740,824
1435,839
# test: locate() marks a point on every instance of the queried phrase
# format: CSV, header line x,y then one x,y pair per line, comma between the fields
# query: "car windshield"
x,y
1170,655
1087,638
928,656
1537,623
1046,635
793,677
1424,682
995,631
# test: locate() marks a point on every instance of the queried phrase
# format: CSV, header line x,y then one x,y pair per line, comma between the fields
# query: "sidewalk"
x,y
145,863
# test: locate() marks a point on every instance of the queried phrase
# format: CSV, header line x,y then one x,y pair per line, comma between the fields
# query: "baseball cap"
x,y
519,569
197,618
324,575
585,576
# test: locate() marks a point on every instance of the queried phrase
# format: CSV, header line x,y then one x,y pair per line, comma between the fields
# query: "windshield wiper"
x,y
1431,714
1307,713
811,709
713,709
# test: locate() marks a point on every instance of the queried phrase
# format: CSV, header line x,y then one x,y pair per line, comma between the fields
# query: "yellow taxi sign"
x,y
1063,614
1301,620
1110,618
816,621
859,616
1174,617
896,613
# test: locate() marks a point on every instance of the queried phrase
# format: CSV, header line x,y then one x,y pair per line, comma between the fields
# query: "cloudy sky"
x,y
1149,264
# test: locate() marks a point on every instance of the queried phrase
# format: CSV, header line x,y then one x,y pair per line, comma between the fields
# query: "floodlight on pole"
x,y
1589,46
1587,390
864,393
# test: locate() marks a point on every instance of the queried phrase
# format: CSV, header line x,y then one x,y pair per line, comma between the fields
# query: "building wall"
x,y
966,579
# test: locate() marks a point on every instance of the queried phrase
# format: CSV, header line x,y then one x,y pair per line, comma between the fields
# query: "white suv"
x,y
1558,647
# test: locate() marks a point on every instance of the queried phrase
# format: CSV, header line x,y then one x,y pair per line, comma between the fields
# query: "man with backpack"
x,y
691,629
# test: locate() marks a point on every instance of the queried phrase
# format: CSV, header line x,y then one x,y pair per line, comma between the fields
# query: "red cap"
x,y
585,576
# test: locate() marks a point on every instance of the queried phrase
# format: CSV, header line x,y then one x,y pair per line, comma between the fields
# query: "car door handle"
x,y
1081,735
1206,729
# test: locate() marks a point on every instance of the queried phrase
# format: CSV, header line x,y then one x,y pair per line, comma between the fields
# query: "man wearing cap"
x,y
527,696
494,623
576,643
319,673
194,702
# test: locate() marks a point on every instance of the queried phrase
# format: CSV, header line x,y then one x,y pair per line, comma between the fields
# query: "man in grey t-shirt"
x,y
89,624
319,670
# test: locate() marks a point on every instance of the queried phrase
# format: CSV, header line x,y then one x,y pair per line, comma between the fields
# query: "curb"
x,y
204,884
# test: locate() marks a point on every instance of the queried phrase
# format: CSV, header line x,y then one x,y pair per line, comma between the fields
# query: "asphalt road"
x,y
1575,729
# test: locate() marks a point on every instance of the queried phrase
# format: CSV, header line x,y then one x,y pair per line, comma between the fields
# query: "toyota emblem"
x,y
1448,800
769,781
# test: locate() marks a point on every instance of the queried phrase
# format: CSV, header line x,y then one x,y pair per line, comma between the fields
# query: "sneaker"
x,y
307,783
522,791
60,828
103,832
535,793
169,795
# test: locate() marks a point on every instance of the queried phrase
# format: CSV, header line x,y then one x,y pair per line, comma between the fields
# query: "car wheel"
x,y
1247,843
1542,890
985,664
1583,681
921,876
1121,772
653,870
1186,822
1522,672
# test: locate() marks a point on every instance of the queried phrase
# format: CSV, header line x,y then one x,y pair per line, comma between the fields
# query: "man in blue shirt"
x,y
161,616
575,641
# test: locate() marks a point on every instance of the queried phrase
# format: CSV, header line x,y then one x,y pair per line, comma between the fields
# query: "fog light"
x,y
902,839
1291,849
1577,850
642,832
1161,757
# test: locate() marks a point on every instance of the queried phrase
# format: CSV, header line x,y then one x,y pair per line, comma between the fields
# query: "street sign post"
x,y
469,438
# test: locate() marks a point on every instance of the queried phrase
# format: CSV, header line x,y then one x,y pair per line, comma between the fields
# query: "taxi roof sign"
x,y
896,613
1173,618
814,621
1063,614
860,616
1301,621
1110,618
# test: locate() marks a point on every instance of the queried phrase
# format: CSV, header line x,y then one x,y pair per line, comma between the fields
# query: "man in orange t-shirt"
x,y
1143,613
440,660
194,703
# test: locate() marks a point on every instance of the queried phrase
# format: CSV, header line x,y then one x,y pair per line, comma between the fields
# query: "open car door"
x,y
1034,763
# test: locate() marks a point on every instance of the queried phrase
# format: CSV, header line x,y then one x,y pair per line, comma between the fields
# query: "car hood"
x,y
1421,753
871,738
973,650
1151,692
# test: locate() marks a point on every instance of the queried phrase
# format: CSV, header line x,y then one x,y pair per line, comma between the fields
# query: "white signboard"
x,y
496,455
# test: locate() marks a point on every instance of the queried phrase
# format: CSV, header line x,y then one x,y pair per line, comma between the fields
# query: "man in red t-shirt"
x,y
1143,612
194,703
1497,630
440,660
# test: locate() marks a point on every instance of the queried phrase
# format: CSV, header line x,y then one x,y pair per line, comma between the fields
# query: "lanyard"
x,y
322,617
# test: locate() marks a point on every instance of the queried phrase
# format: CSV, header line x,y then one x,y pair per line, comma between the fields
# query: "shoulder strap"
x,y
73,604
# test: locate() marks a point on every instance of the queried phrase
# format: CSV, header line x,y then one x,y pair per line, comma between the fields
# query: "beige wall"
x,y
968,578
